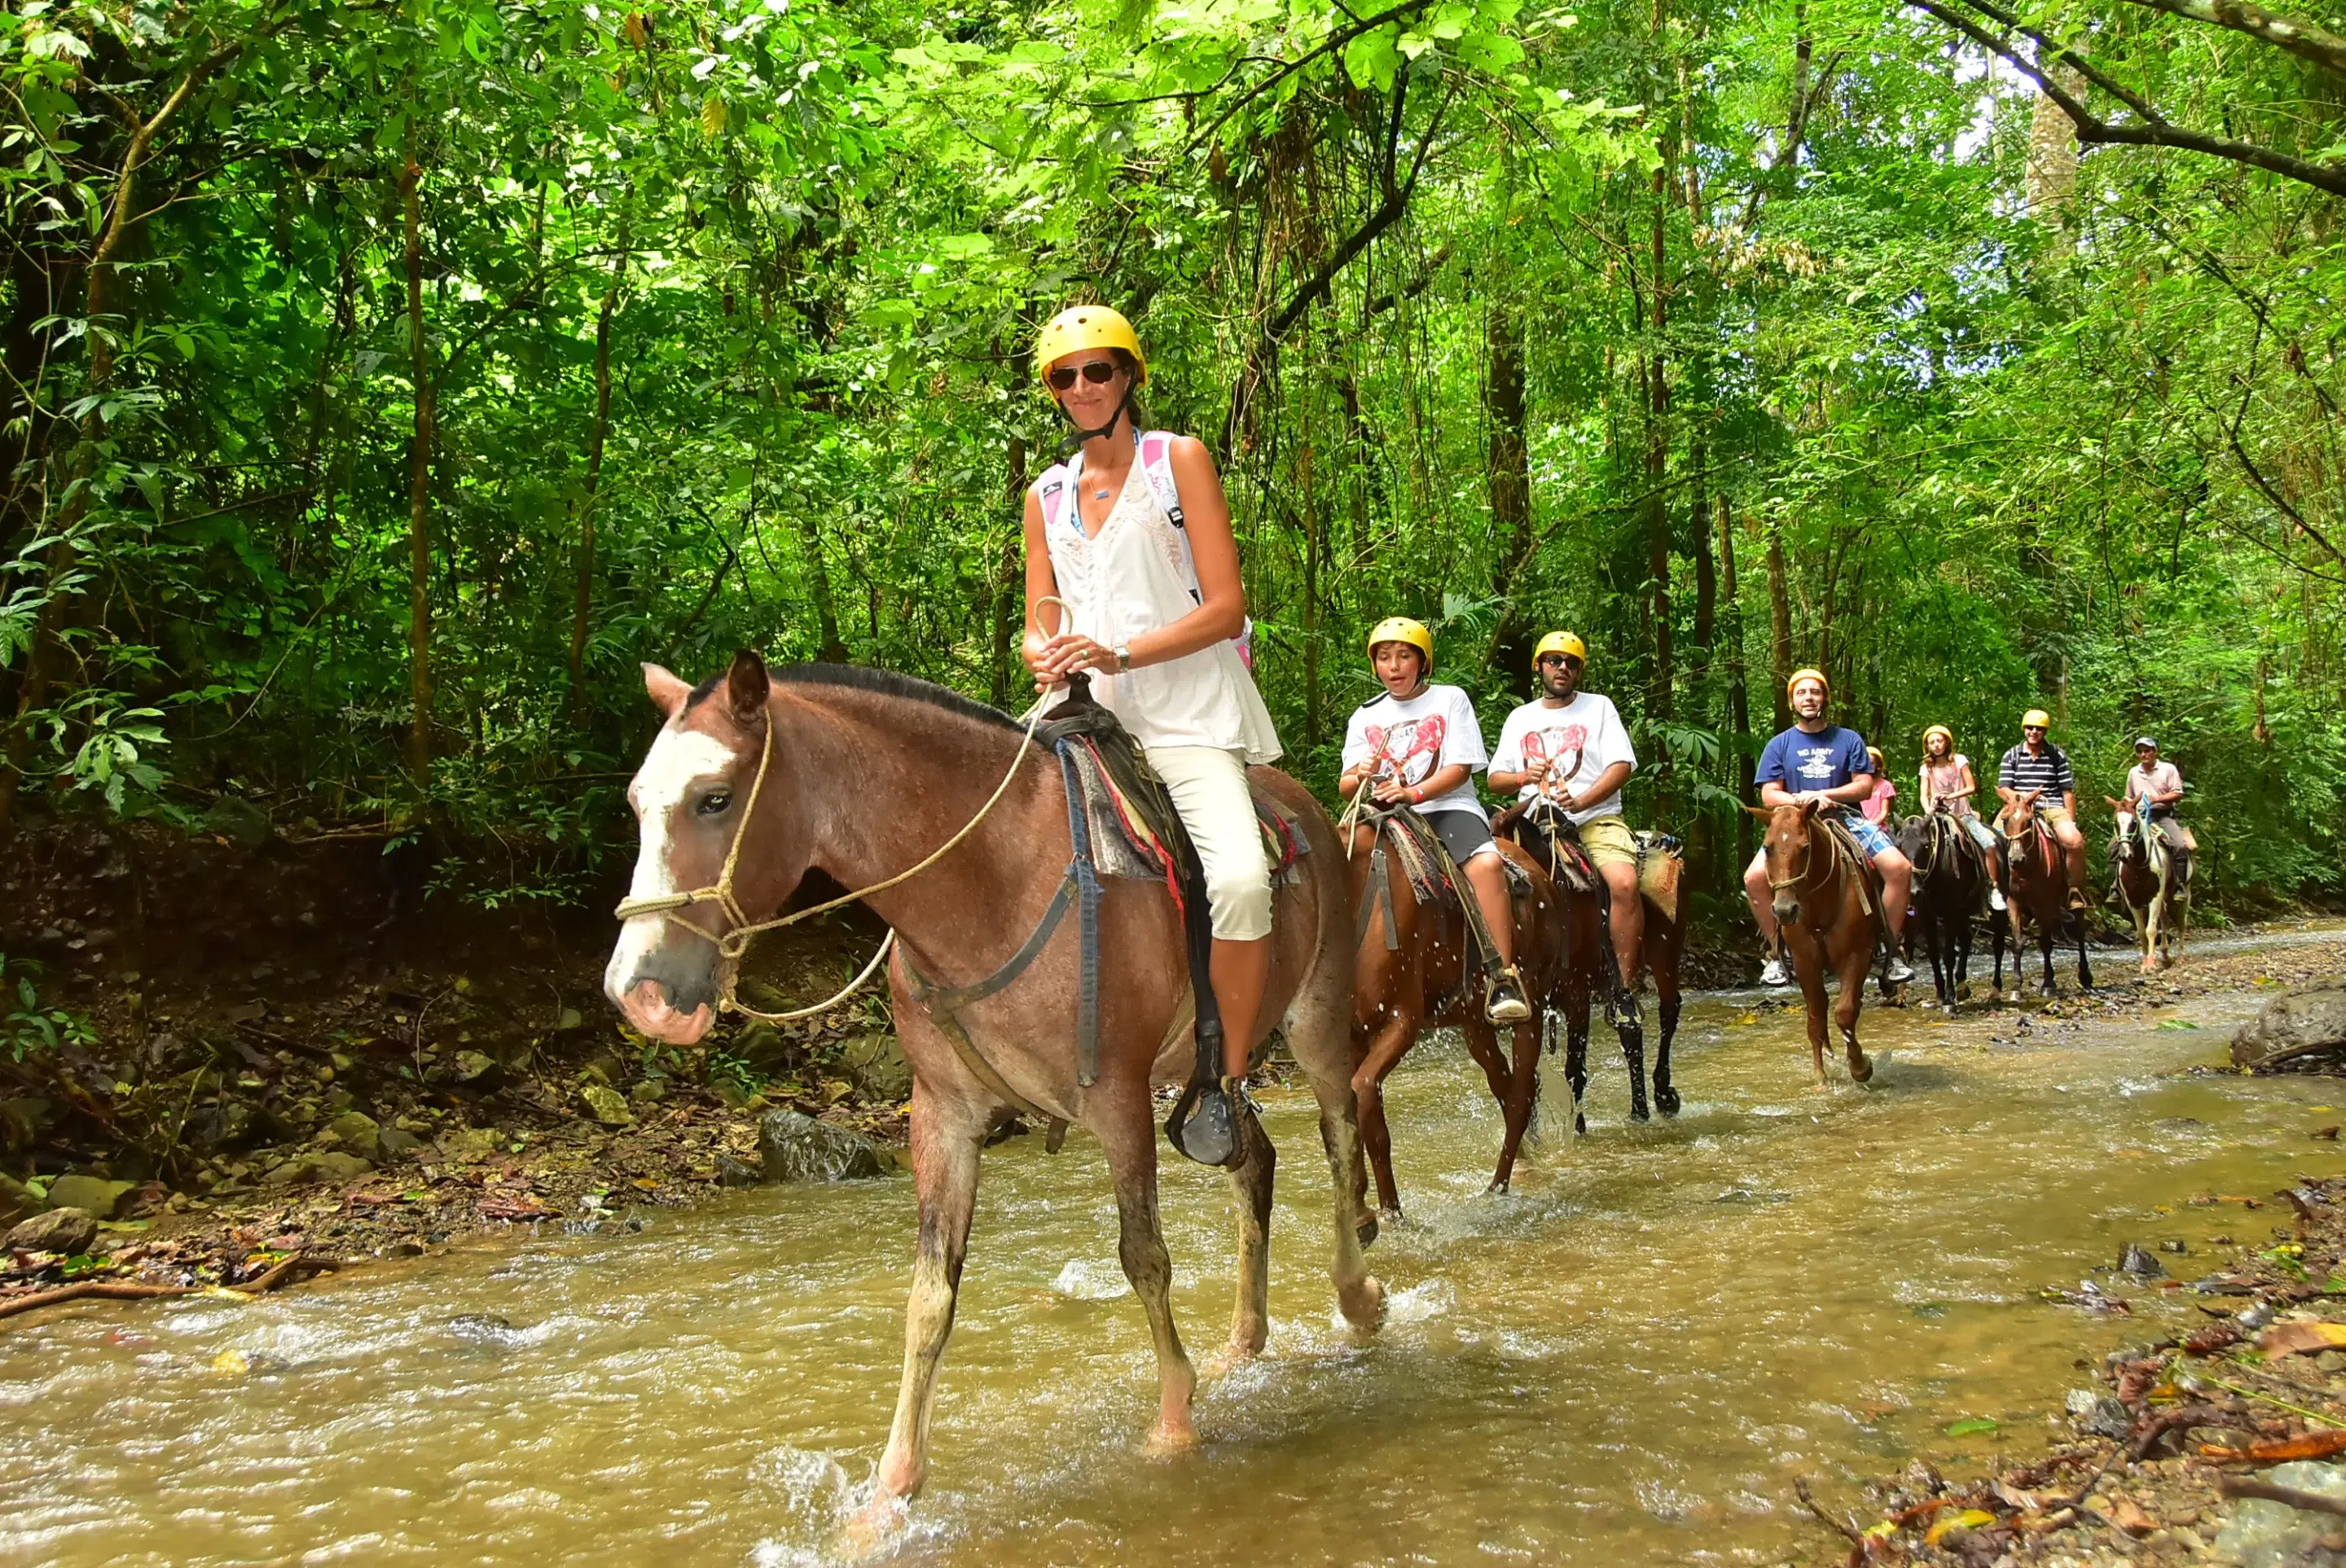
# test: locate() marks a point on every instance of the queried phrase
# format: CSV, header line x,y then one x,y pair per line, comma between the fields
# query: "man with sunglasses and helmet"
x,y
1567,751
1132,538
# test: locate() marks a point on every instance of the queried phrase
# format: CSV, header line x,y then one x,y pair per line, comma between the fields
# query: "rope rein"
x,y
735,942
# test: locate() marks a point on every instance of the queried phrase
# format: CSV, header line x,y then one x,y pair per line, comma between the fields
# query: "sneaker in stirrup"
x,y
1996,900
1504,1000
1901,971
1774,976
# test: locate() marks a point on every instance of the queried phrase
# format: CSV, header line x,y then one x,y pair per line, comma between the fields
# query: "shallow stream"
x,y
1626,1362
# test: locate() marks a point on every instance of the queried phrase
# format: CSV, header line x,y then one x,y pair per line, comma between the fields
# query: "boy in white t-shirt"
x,y
1570,748
1419,745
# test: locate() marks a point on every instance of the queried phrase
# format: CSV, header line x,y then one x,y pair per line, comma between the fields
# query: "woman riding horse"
x,y
1132,540
1948,784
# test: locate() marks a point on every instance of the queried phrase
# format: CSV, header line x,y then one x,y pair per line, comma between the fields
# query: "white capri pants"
x,y
1208,787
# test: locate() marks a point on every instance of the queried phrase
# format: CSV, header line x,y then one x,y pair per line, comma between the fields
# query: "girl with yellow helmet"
x,y
1420,744
1134,576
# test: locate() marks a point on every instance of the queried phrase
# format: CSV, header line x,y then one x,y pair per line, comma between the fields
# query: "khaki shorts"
x,y
2053,816
1608,841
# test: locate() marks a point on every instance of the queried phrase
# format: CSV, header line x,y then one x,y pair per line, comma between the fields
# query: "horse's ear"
x,y
1811,804
745,687
1765,813
2115,804
2028,798
669,694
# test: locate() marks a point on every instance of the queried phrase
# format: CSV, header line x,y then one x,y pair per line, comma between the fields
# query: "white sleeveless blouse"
x,y
1135,576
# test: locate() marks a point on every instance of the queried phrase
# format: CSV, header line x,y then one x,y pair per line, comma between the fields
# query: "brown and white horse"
x,y
2039,875
2153,875
868,772
1825,898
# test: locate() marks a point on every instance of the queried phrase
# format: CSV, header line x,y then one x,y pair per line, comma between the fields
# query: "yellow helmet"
x,y
2036,719
1798,676
1088,327
1939,730
1401,629
1559,643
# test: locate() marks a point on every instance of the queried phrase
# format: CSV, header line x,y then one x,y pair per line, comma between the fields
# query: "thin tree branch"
x,y
1333,42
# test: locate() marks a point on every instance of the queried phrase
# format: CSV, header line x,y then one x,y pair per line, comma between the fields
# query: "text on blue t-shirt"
x,y
1803,763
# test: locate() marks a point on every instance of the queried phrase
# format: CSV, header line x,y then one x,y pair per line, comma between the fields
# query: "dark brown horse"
x,y
2039,894
1410,973
863,775
1951,878
1589,970
1826,896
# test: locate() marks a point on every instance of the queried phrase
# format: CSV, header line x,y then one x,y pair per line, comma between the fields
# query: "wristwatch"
x,y
1123,657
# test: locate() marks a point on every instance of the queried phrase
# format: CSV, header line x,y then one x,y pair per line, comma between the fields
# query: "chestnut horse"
x,y
1410,973
862,774
2153,874
1826,896
2039,893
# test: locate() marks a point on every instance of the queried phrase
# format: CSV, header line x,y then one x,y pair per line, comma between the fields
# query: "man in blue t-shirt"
x,y
1816,758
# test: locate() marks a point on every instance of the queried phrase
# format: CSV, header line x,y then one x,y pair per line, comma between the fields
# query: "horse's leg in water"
x,y
1511,1085
1129,1137
2046,929
1250,1184
944,1145
1577,997
1318,1035
1662,963
1855,961
1394,1035
1809,967
2084,964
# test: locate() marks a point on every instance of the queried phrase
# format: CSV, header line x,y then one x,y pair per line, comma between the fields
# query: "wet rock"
x,y
2220,1436
878,1067
650,1091
64,1231
92,1195
731,1172
395,1144
326,1165
797,1148
2262,1534
359,1132
607,1105
487,1330
2303,1031
2139,1263
2101,1414
2177,1248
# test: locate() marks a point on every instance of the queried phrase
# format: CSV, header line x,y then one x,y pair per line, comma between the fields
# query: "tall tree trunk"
x,y
1705,570
1009,599
1738,696
1779,620
583,595
418,480
1658,699
826,608
1510,481
1312,530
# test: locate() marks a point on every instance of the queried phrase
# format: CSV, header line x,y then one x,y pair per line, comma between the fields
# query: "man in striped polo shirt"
x,y
2037,764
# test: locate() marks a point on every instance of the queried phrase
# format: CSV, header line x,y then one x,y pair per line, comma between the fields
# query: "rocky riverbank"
x,y
2225,1443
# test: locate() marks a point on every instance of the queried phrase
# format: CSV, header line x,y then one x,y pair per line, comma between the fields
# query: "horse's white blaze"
x,y
679,759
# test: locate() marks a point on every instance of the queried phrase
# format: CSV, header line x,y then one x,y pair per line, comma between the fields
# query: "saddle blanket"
x,y
1126,843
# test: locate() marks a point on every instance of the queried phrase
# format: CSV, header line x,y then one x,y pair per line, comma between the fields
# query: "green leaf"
x,y
1972,1426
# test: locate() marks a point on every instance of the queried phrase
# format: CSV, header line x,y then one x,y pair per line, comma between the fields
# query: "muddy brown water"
x,y
1629,1360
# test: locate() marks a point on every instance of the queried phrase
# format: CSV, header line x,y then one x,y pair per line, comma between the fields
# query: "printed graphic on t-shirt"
x,y
1560,745
1815,763
1409,750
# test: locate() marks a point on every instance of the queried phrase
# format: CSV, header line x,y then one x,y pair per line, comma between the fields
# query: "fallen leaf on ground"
x,y
2312,1445
2297,1337
2128,1516
1972,1425
1969,1519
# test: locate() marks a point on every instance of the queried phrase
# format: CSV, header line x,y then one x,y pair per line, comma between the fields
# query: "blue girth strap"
x,y
1086,877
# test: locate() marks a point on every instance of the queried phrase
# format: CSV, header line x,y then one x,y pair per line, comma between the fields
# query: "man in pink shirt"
x,y
2155,787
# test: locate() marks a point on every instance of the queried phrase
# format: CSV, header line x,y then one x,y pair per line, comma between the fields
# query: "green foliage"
x,y
28,1026
1692,280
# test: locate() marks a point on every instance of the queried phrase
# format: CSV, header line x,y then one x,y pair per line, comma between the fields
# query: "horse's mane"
x,y
886,683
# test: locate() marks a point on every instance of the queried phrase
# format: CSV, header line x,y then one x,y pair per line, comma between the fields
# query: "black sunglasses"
x,y
1099,372
1547,659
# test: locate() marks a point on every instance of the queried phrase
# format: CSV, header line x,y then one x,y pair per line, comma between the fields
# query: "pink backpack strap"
x,y
1053,487
1157,467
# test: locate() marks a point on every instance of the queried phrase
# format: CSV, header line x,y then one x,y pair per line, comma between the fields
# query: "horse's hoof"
x,y
1666,1099
1639,1114
873,1527
1169,1440
1860,1072
1496,1189
1364,1307
1227,1360
1366,1231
